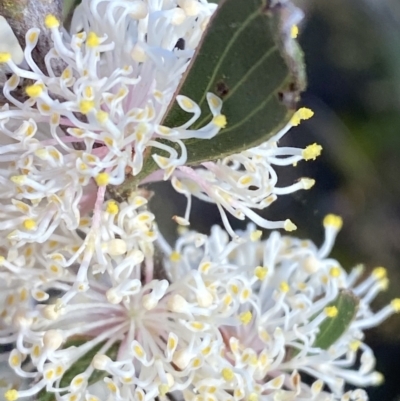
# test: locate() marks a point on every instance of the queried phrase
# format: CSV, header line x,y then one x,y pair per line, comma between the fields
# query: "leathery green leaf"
x,y
248,58
332,328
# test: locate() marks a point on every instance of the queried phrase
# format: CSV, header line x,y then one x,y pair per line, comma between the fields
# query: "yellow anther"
x,y
138,351
171,343
51,21
163,389
395,304
112,207
227,374
92,40
331,311
15,360
284,286
102,116
187,103
5,57
302,114
289,225
308,183
311,152
175,256
379,273
34,90
112,387
294,31
335,271
261,272
205,267
354,345
85,106
332,220
197,325
102,179
245,317
11,395
253,397
256,235
29,224
220,121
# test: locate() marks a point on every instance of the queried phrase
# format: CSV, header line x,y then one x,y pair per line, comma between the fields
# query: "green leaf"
x,y
248,59
332,329
81,365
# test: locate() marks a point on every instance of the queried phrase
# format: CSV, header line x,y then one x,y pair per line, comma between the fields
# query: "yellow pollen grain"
x,y
294,31
11,395
311,152
220,121
36,351
379,273
334,272
59,370
245,294
187,103
49,374
253,397
227,374
227,300
245,317
88,91
289,226
171,343
395,304
261,272
163,389
109,141
45,107
302,114
5,57
332,220
331,311
102,116
112,207
354,345
51,21
197,325
29,224
138,350
175,256
284,286
32,37
196,363
77,381
66,74
206,350
85,106
256,235
112,387
34,90
205,267
15,360
102,179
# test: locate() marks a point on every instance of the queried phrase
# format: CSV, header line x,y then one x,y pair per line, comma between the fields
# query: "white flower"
x,y
87,120
245,181
220,319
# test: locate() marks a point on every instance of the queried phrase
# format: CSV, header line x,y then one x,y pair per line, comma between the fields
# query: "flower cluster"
x,y
95,305
222,320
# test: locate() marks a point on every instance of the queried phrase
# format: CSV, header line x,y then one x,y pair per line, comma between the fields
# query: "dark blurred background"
x,y
352,50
